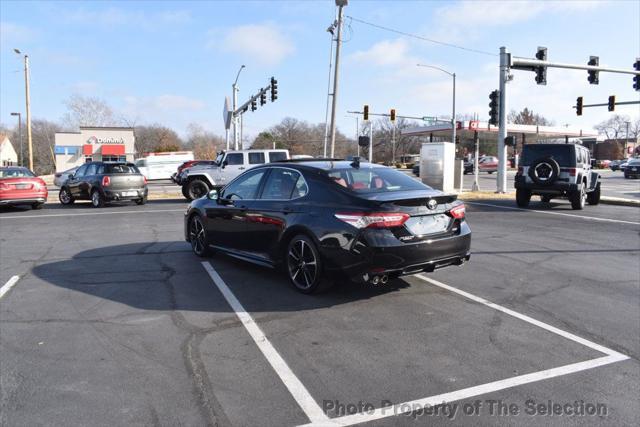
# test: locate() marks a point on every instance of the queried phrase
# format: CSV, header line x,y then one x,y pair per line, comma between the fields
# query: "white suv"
x,y
557,170
198,181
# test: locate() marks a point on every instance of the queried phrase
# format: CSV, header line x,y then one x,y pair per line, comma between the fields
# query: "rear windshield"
x,y
563,154
15,173
120,168
374,180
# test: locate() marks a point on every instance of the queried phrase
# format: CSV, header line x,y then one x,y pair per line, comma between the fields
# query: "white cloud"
x,y
11,33
264,43
387,53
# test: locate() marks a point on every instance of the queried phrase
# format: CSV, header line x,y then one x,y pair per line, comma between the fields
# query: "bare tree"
x,y
616,127
528,117
156,138
89,111
205,145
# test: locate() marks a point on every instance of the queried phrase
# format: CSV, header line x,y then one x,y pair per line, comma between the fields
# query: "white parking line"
x,y
465,393
7,286
293,384
92,213
619,221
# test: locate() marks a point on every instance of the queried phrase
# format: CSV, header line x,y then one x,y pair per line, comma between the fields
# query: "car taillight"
x,y
106,181
144,179
457,212
572,171
3,186
374,220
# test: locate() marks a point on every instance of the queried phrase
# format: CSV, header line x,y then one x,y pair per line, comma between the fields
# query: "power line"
x,y
415,36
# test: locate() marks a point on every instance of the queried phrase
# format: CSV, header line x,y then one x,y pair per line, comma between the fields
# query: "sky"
x,y
173,63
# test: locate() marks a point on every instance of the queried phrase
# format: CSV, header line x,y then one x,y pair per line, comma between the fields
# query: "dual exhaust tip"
x,y
378,279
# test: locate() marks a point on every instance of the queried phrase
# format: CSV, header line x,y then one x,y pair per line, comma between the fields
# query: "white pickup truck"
x,y
199,180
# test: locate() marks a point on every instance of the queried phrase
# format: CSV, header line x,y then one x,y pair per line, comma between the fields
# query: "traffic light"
x,y
363,141
495,106
541,72
254,105
579,106
392,115
274,89
366,113
636,78
263,98
593,75
510,141
612,103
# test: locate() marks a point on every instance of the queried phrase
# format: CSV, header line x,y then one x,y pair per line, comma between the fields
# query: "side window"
x,y
277,156
245,187
81,172
234,159
101,170
281,185
256,158
91,170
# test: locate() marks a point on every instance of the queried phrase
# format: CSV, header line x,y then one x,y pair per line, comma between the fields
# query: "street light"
x,y
234,87
21,156
28,102
453,114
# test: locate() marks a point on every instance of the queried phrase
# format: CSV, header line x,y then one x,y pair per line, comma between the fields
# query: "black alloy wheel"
x,y
304,266
198,237
65,196
197,188
97,201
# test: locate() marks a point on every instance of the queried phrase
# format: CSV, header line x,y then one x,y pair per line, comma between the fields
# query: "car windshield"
x,y
218,159
635,162
15,173
563,154
374,180
120,168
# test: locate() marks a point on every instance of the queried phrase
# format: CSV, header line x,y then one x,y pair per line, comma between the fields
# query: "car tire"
x,y
523,197
578,198
37,206
198,237
593,198
626,176
65,196
141,201
304,266
197,188
97,201
185,192
554,173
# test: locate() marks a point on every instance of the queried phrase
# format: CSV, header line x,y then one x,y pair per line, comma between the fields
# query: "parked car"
x,y
488,164
633,169
331,219
103,182
61,177
20,186
554,171
162,165
615,165
623,164
198,181
190,164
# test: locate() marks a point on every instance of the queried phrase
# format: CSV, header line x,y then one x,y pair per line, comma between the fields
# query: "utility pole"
x,y
234,87
626,143
371,141
502,123
330,30
476,142
28,102
341,4
453,114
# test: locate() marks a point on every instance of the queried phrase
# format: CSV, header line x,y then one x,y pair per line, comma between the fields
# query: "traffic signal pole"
x,y
502,123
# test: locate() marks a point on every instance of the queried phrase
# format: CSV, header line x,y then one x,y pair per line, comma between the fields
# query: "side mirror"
x,y
212,195
71,176
224,164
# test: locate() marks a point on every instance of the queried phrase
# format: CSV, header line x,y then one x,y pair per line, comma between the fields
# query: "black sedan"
x,y
633,169
322,220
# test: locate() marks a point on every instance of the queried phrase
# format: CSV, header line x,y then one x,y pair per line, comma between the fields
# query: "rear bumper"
x,y
115,195
23,200
555,188
364,260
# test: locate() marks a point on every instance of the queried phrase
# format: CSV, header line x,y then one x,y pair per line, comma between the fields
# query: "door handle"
x,y
241,168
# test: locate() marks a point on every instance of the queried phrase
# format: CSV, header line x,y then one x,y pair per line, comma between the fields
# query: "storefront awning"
x,y
113,150
87,149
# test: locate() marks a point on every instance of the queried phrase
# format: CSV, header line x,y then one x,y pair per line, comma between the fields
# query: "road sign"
x,y
226,113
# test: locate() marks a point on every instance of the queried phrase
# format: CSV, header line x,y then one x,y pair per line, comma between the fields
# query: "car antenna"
x,y
356,162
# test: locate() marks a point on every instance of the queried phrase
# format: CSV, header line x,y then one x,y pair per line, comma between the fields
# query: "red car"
x,y
20,186
488,164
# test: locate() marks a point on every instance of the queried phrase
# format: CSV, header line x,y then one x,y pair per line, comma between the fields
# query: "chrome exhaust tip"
x,y
384,279
375,280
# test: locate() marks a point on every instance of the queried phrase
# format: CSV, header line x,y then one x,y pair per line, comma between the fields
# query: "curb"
x,y
605,200
619,201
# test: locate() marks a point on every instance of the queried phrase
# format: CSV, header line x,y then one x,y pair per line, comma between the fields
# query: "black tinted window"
x,y
282,184
80,172
256,158
245,186
234,159
278,156
374,180
120,168
563,154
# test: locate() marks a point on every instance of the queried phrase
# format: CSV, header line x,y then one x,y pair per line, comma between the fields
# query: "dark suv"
x,y
103,182
557,170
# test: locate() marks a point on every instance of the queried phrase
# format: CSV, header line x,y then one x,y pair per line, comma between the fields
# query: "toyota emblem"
x,y
432,204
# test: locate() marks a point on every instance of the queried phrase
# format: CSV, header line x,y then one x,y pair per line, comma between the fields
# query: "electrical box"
x,y
437,165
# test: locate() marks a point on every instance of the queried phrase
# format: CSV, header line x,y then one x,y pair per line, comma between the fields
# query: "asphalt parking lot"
x,y
113,321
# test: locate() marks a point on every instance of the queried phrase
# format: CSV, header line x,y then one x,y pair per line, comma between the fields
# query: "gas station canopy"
x,y
466,129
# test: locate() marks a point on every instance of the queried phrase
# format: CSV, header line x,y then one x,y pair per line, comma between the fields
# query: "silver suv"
x,y
199,180
557,170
